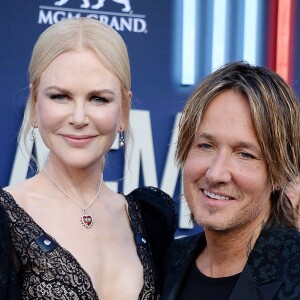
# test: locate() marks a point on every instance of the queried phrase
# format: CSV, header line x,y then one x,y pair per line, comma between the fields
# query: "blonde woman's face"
x,y
78,108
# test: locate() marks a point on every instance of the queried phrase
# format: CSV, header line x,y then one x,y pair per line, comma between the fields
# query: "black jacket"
x,y
272,271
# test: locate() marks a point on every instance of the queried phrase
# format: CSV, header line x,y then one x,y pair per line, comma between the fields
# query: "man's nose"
x,y
219,170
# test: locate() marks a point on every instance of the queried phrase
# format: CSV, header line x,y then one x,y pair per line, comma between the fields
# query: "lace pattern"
x,y
57,274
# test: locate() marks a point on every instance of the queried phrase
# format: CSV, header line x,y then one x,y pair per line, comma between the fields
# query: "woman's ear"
x,y
126,110
129,96
33,116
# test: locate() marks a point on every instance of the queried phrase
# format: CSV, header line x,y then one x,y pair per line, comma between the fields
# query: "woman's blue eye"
x,y
58,97
99,99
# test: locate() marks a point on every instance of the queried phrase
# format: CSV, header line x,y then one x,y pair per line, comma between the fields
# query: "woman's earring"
x,y
121,138
32,132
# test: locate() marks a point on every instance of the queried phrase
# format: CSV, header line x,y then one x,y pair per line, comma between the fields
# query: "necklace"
x,y
86,219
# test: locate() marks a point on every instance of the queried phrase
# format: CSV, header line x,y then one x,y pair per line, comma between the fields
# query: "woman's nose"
x,y
79,117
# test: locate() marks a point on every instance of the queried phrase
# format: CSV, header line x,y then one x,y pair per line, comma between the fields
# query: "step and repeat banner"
x,y
172,45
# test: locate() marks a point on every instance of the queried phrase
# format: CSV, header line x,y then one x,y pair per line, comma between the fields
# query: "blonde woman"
x,y
73,237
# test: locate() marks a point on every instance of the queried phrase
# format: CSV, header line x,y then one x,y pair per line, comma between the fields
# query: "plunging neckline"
x,y
72,257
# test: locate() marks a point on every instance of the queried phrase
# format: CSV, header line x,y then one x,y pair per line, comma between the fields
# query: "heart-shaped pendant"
x,y
87,221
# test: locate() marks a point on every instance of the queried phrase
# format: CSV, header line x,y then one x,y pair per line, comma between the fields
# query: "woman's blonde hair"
x,y
72,34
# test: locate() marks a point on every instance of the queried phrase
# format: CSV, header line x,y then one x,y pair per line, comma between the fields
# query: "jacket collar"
x,y
247,289
258,279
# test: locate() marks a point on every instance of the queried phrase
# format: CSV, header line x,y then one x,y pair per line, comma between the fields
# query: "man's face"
x,y
226,183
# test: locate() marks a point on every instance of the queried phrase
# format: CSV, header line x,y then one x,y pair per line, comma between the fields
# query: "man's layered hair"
x,y
275,113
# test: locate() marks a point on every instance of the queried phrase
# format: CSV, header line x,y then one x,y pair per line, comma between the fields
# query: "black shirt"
x,y
197,286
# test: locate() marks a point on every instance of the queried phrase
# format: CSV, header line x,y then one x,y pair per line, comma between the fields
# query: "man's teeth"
x,y
214,196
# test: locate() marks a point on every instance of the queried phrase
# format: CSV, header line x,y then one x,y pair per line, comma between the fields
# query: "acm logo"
x,y
98,5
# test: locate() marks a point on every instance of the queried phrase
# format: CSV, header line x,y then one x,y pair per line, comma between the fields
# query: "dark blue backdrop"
x,y
155,51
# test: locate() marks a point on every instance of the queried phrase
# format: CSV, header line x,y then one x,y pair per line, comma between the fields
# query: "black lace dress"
x,y
9,283
48,271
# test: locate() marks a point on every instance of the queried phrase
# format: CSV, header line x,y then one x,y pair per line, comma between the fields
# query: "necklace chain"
x,y
67,194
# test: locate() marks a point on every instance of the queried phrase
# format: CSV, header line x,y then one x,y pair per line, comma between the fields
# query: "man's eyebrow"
x,y
203,135
249,145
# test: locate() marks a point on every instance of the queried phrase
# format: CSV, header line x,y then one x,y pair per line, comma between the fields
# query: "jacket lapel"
x,y
258,279
247,289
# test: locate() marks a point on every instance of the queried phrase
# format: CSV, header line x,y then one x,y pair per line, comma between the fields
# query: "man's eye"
x,y
246,155
204,146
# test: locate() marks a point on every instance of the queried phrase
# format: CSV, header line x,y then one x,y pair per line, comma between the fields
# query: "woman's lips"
x,y
78,140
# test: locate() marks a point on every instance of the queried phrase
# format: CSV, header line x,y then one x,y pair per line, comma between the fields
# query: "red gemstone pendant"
x,y
87,221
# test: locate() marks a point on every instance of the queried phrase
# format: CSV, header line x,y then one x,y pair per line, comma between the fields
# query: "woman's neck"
x,y
78,183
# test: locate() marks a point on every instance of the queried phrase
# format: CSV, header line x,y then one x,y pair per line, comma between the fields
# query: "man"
x,y
238,146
